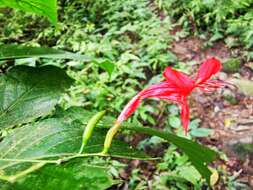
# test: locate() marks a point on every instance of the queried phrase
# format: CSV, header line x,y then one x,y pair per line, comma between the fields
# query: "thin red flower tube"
x,y
176,87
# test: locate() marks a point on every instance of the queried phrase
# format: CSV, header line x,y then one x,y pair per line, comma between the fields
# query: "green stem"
x,y
61,160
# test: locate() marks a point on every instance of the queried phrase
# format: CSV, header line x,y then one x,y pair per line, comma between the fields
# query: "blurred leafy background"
x,y
134,40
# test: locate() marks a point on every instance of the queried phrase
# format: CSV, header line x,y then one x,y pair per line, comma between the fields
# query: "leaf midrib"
x,y
18,99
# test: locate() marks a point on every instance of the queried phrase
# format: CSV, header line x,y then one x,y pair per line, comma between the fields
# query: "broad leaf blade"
x,y
52,138
75,175
20,51
27,93
47,8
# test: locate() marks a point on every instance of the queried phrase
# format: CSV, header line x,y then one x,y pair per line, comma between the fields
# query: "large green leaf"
x,y
47,8
199,155
53,138
74,175
20,51
27,93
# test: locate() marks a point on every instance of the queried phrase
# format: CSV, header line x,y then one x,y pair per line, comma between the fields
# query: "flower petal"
x,y
185,115
163,90
208,68
129,108
179,79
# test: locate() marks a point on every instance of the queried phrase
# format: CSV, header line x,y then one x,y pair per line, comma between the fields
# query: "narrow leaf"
x,y
20,51
199,155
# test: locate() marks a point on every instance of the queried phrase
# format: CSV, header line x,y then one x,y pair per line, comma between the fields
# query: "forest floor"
x,y
228,112
232,123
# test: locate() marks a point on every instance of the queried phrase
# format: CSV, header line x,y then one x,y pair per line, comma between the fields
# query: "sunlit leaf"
x,y
47,8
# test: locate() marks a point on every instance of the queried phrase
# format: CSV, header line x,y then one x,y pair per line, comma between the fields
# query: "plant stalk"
x,y
109,136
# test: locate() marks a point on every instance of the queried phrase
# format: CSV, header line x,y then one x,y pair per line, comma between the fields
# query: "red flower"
x,y
177,87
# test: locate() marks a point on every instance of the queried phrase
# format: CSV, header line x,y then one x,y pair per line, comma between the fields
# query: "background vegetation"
x,y
118,48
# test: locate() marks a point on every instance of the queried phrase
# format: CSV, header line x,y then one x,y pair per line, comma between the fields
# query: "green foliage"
x,y
76,175
130,42
196,131
124,33
107,65
16,52
53,137
45,8
131,37
220,18
176,173
56,137
198,155
27,93
173,123
55,141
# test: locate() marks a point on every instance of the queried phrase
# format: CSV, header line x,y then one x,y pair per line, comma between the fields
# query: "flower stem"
x,y
109,136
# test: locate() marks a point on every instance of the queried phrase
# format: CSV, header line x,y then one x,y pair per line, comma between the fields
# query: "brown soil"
x,y
232,122
192,48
